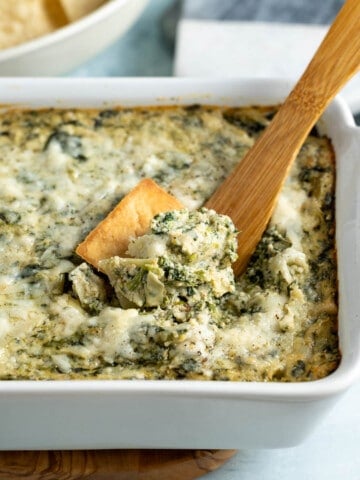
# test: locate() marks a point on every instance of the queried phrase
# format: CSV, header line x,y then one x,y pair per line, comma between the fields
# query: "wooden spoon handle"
x,y
249,194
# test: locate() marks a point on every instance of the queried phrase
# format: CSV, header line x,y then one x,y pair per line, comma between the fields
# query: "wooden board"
x,y
111,464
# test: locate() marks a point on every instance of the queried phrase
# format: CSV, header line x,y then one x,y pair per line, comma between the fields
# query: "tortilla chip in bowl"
x,y
33,33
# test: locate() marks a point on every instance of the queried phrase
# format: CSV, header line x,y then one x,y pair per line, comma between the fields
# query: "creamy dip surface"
x,y
172,309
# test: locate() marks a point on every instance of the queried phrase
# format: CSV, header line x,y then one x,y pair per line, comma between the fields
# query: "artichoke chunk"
x,y
89,288
137,282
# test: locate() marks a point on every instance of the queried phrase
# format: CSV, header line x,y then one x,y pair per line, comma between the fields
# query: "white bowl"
x,y
190,414
68,47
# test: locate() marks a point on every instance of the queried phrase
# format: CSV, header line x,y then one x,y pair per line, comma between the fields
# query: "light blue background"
x,y
142,51
333,452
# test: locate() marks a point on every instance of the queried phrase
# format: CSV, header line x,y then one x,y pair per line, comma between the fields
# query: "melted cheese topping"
x,y
61,172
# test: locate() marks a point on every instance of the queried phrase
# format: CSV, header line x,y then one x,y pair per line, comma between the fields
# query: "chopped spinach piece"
x,y
70,144
251,126
10,217
30,270
298,369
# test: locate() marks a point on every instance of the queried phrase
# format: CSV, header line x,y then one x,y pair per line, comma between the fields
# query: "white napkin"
x,y
251,49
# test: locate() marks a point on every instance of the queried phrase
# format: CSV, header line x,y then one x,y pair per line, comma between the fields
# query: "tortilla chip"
x,y
23,20
130,218
76,9
56,13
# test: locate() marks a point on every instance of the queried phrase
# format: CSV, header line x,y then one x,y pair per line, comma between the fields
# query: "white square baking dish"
x,y
190,414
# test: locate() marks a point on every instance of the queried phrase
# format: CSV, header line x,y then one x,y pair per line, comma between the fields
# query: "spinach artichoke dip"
x,y
172,308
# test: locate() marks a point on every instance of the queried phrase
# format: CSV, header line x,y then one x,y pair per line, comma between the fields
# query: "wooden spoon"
x,y
250,192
